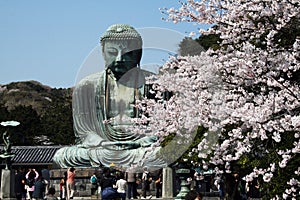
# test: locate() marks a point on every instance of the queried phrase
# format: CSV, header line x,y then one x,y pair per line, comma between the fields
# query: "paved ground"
x,y
148,198
153,198
204,198
94,197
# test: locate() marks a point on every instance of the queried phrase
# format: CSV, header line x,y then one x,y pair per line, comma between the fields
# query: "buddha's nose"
x,y
119,57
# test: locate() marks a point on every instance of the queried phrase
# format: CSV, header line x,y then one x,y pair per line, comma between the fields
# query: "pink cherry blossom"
x,y
248,82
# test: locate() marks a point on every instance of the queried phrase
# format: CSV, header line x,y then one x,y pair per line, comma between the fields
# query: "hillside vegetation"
x,y
45,113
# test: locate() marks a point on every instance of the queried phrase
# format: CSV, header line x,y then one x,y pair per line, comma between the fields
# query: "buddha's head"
x,y
121,49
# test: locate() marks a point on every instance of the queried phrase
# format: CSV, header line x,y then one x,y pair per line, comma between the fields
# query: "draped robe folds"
x,y
90,111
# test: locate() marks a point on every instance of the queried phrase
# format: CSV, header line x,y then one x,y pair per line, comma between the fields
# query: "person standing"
x,y
31,177
46,178
199,179
70,183
62,189
146,179
20,181
94,182
39,189
121,186
131,185
158,185
219,183
65,184
254,190
106,184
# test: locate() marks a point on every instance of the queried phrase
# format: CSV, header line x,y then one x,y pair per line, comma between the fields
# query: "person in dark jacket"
x,y
146,179
106,183
39,189
158,185
254,189
20,182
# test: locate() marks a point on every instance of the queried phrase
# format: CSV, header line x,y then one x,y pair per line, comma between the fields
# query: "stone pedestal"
x,y
5,184
167,184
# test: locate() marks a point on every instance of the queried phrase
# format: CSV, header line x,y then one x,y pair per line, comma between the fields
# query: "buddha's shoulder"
x,y
146,73
91,79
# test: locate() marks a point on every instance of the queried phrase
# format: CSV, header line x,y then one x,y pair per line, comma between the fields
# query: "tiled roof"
x,y
33,155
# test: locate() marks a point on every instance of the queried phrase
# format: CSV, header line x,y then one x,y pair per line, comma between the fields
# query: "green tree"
x,y
209,41
190,47
29,128
57,124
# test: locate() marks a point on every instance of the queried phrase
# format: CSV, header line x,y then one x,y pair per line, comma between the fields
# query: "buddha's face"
x,y
120,56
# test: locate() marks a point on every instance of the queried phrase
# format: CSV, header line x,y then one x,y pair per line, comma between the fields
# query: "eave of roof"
x,y
33,155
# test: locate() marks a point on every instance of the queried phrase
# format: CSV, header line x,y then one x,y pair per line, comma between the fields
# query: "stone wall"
x,y
82,180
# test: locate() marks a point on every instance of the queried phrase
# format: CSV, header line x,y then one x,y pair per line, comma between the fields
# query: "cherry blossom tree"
x,y
246,93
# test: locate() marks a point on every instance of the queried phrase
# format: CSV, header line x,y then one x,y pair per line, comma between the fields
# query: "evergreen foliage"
x,y
44,113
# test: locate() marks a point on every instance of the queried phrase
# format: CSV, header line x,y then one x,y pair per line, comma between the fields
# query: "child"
x,y
62,189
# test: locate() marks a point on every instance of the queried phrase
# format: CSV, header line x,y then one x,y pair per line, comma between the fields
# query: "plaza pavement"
x,y
153,198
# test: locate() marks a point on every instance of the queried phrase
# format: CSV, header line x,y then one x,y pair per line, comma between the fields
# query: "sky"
x,y
55,42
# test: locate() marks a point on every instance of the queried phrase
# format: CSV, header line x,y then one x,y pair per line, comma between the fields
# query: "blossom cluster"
x,y
249,84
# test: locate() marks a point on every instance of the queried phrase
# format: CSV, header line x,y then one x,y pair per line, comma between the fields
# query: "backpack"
x,y
93,179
